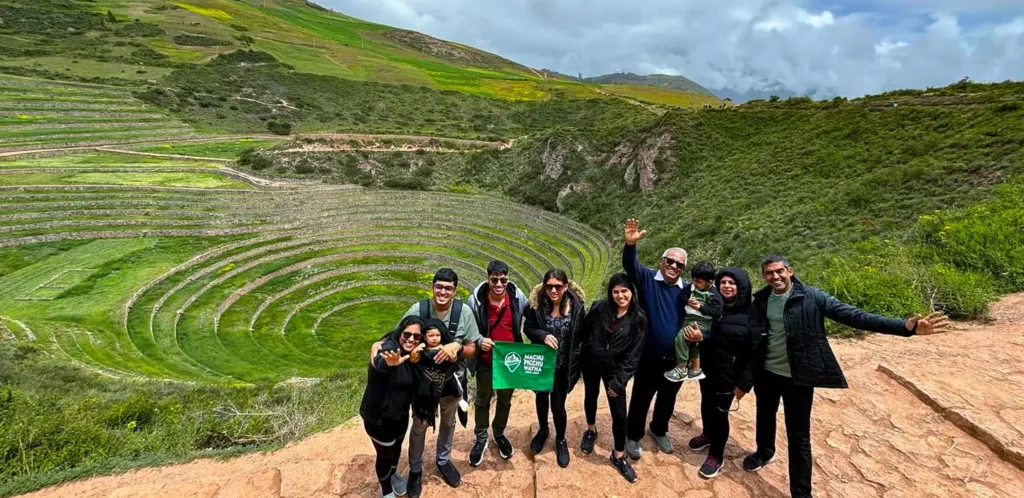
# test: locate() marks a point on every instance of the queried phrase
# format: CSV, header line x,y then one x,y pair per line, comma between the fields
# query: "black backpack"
x,y
453,315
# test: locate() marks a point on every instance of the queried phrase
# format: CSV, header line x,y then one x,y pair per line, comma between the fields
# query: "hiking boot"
x,y
698,443
624,467
676,375
710,468
537,443
505,448
562,453
662,441
415,487
756,461
587,445
634,450
476,455
694,374
450,474
398,484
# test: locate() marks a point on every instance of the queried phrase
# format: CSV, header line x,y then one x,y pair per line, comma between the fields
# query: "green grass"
x,y
103,160
192,180
664,96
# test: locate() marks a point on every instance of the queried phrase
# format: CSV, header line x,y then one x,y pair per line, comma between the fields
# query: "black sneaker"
x,y
450,474
709,469
537,443
587,445
414,488
505,448
699,443
756,461
562,453
624,467
476,455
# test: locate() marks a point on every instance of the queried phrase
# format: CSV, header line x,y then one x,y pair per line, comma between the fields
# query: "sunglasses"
x,y
411,335
672,262
445,288
496,280
555,287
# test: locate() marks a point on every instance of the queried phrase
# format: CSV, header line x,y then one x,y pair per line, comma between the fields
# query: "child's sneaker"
x,y
692,374
676,375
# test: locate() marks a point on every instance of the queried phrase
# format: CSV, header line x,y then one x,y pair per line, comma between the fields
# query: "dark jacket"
x,y
730,346
534,320
434,380
389,390
811,360
478,302
615,353
712,309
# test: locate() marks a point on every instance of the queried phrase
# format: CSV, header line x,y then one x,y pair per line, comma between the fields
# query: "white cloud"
x,y
801,46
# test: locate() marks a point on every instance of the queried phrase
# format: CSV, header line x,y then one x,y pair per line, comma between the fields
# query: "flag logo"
x,y
512,361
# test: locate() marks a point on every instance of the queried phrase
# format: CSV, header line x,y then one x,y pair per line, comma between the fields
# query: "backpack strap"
x,y
453,317
425,309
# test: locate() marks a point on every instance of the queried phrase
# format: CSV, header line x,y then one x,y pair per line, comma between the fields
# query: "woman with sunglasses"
x,y
725,354
391,384
607,348
554,314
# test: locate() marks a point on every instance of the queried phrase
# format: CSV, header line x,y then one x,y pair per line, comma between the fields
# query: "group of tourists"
x,y
652,327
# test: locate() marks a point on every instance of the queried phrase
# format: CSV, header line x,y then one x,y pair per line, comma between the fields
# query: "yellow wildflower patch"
x,y
206,11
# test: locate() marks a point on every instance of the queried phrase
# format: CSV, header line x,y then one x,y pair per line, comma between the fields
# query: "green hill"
x,y
671,82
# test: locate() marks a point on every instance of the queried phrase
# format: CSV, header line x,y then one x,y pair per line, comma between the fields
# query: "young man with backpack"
x,y
459,318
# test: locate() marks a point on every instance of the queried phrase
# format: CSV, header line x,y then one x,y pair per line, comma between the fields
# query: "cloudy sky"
x,y
735,47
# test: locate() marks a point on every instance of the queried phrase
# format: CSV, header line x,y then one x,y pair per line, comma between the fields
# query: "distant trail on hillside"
x,y
869,441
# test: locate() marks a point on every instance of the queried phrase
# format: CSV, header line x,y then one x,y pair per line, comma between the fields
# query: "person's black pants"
x,y
769,389
716,397
649,382
554,401
592,378
387,439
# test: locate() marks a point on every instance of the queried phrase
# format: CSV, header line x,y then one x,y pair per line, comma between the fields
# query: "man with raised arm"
x,y
458,317
662,292
794,357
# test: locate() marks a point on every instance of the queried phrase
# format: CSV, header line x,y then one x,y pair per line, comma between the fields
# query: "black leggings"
x,y
554,402
592,378
716,397
387,441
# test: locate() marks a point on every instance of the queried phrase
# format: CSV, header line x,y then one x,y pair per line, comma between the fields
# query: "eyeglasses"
x,y
411,335
496,280
672,262
444,288
555,287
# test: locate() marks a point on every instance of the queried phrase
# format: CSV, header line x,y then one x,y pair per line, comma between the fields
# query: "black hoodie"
x,y
389,390
615,353
435,380
732,342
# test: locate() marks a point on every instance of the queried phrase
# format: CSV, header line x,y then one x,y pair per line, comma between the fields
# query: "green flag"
x,y
523,366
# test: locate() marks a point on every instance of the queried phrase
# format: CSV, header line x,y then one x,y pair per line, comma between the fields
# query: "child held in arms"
x,y
703,304
437,379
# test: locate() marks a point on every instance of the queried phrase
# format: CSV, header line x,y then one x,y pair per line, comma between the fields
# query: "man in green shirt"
x,y
445,307
795,358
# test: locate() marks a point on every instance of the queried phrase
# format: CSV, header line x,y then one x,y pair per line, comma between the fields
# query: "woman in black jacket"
x,y
391,384
607,349
552,318
725,356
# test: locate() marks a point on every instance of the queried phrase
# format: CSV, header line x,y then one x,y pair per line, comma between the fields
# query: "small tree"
x,y
773,98
110,17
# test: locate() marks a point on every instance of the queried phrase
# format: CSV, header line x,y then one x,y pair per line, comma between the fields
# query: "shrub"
x,y
279,127
199,41
962,294
254,160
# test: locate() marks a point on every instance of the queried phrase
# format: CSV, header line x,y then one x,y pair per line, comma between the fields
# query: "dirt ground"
x,y
938,416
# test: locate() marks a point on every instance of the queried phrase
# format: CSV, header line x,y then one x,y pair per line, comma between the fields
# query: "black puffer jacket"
x,y
616,353
727,353
534,324
811,361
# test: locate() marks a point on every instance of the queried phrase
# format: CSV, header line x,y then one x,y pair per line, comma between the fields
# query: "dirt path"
x,y
876,439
